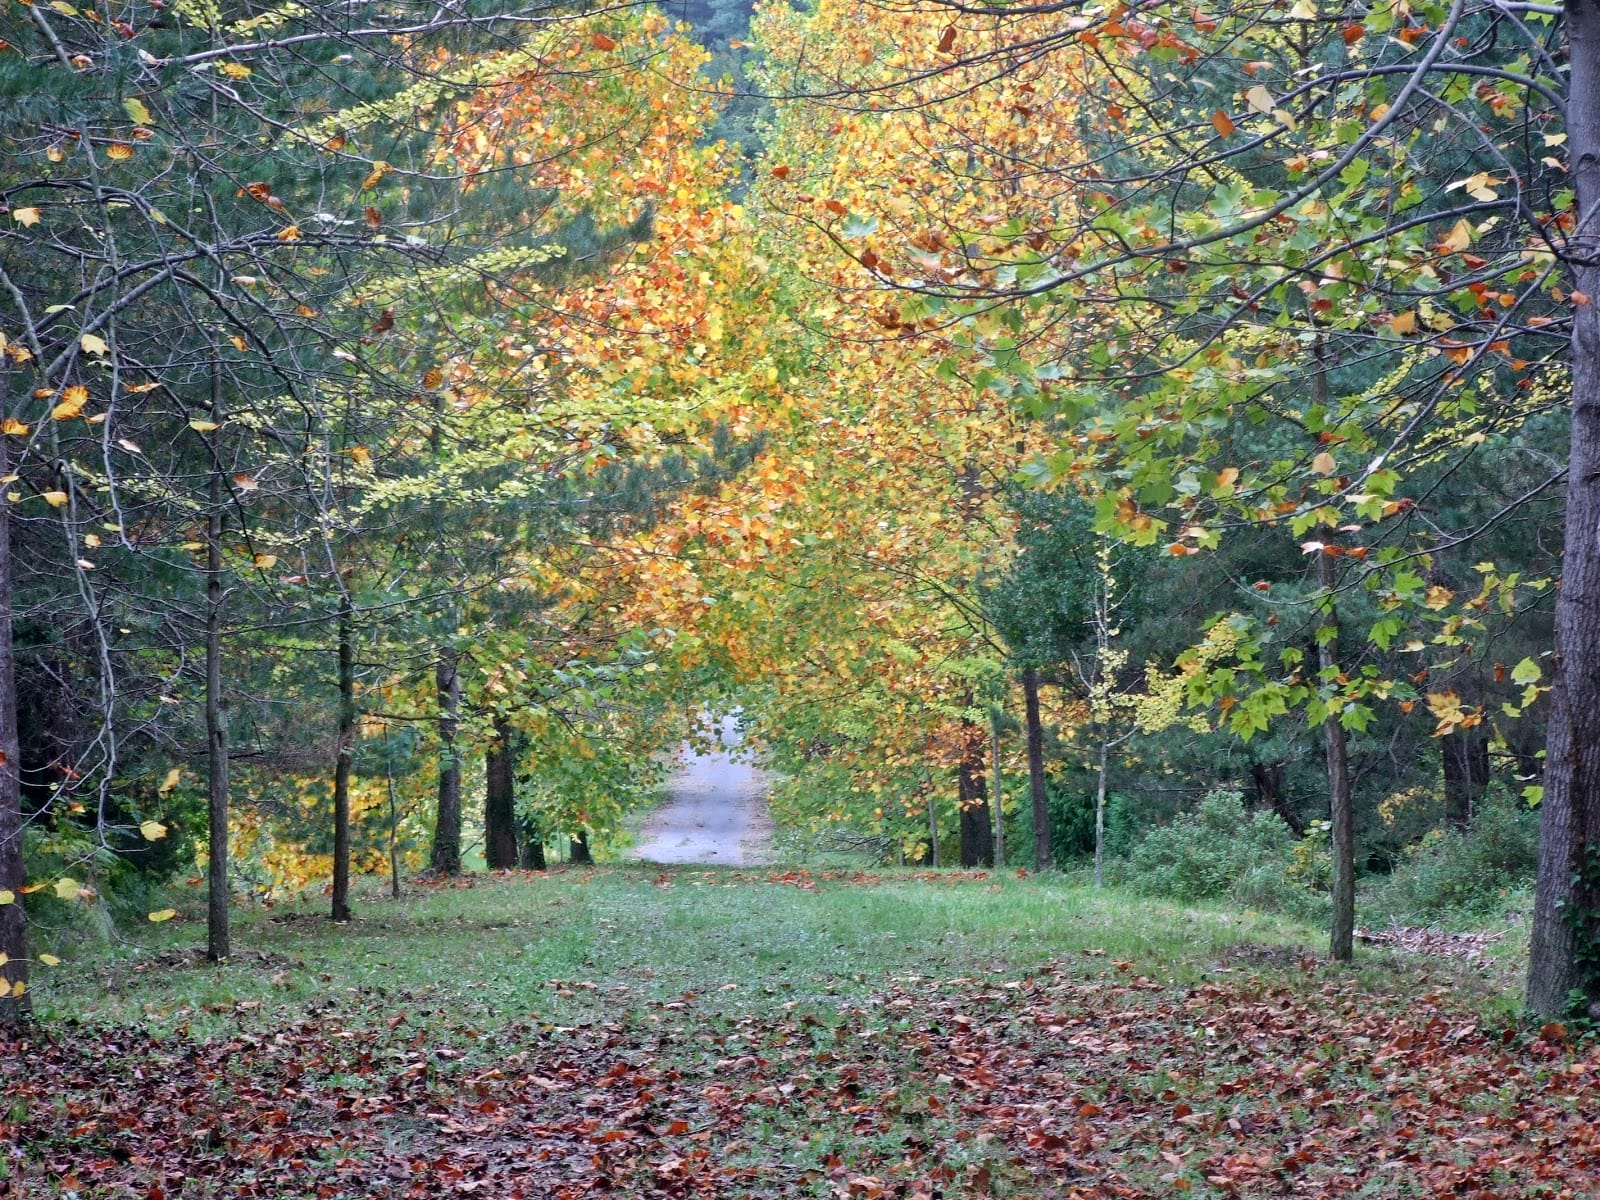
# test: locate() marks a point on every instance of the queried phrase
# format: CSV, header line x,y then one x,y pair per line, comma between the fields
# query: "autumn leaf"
x,y
1222,123
54,499
25,216
1324,464
372,217
202,426
67,889
119,151
93,344
152,831
164,914
602,42
171,781
375,176
14,428
136,110
947,41
72,402
50,960
1458,239
1403,323
234,70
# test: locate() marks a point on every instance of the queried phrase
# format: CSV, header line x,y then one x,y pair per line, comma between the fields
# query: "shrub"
x,y
1218,851
1451,876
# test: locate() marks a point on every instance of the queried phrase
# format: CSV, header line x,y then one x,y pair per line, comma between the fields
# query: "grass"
x,y
635,1031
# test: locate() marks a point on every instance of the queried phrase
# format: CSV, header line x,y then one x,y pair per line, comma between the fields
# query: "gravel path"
x,y
716,811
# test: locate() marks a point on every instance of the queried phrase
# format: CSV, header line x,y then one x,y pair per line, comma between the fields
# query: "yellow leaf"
x,y
1259,99
1227,477
1437,597
291,234
14,427
152,831
137,110
50,960
119,151
7,896
239,344
67,889
165,914
171,781
53,499
265,562
1403,323
375,176
200,426
25,216
19,988
1458,239
361,455
234,70
1324,464
93,344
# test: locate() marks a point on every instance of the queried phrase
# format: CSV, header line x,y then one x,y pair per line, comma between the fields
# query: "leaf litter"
x,y
1057,1085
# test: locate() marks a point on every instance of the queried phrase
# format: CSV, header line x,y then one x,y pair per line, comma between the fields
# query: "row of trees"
x,y
434,382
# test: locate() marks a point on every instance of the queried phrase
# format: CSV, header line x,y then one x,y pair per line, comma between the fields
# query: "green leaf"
x,y
1526,671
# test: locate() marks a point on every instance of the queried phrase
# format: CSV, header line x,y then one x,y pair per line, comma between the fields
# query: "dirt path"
x,y
716,811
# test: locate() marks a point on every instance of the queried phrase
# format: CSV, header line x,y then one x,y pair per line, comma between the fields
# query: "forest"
x,y
1151,449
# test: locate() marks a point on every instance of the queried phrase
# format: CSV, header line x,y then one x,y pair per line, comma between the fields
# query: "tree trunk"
x,y
344,762
1043,859
1267,779
1465,756
579,854
446,858
14,1003
977,831
999,791
1341,938
532,857
1566,914
1100,817
219,942
394,829
500,799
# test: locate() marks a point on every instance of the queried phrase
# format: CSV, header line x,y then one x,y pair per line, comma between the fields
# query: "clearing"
x,y
685,1032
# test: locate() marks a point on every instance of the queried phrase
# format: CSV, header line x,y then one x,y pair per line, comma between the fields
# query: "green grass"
x,y
625,1030
649,934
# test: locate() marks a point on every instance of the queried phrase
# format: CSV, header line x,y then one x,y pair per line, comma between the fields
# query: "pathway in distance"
x,y
716,811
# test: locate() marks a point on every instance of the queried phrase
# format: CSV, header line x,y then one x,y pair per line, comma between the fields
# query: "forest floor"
x,y
691,1032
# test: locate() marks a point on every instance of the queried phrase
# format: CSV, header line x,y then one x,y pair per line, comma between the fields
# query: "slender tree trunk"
x,y
344,762
500,799
578,852
1043,859
1341,940
1464,756
999,791
1566,916
219,942
1100,817
977,831
933,828
446,859
14,1003
394,831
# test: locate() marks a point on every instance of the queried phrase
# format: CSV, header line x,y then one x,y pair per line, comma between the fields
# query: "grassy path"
x,y
691,1033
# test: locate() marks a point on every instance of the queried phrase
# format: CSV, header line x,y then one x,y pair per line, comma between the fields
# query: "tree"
x,y
1250,182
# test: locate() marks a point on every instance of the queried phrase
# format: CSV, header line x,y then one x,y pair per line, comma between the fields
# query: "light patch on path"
x,y
716,811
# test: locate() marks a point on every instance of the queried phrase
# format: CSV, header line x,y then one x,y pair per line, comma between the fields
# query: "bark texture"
x,y
344,762
446,857
977,830
580,854
219,943
1465,756
1562,959
14,1007
1336,753
1043,858
500,799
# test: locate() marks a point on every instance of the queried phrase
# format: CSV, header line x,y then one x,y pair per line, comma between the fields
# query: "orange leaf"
x,y
948,41
1222,123
373,217
780,172
602,42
